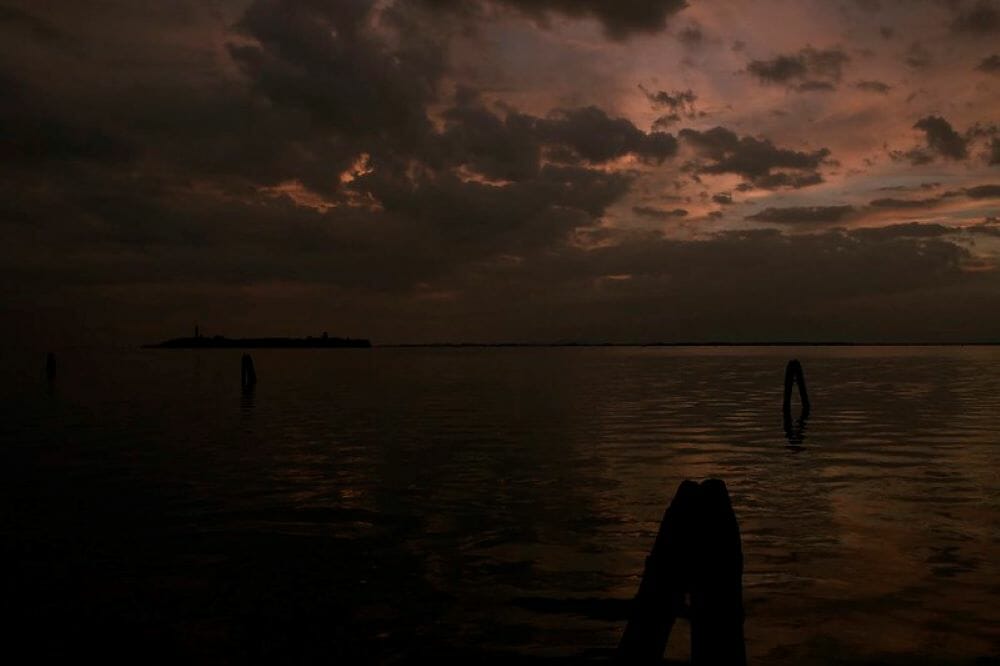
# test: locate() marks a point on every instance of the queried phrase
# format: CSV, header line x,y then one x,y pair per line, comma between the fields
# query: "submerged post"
x,y
248,377
697,553
793,375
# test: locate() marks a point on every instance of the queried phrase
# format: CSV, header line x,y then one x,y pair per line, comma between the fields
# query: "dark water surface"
x,y
389,503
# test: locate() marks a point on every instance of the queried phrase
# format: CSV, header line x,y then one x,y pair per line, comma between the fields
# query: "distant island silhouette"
x,y
222,342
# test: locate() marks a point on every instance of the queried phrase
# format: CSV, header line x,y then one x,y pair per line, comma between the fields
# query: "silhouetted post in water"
x,y
793,374
717,594
50,366
697,552
660,598
247,375
795,430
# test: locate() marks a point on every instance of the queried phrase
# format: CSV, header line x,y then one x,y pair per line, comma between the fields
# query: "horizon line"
x,y
709,343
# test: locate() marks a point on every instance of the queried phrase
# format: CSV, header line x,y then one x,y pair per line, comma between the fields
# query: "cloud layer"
x,y
499,169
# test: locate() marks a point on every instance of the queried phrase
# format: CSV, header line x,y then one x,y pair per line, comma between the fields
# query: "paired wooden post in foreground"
x,y
697,554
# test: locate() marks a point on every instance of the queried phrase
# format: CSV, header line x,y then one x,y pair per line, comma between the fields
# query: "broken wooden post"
x,y
793,375
248,377
697,552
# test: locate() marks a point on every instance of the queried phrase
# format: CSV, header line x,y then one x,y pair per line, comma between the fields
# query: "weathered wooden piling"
x,y
248,377
660,598
717,588
697,554
794,375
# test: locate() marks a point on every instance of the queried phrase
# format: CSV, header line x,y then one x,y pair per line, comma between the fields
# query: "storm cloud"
x,y
656,213
982,18
757,160
679,105
904,230
873,86
802,214
984,192
809,69
990,64
620,19
942,138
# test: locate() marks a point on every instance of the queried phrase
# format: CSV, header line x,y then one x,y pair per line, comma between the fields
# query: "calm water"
x,y
383,504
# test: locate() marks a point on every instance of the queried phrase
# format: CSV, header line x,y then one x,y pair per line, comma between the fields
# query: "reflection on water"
x,y
379,504
795,429
247,398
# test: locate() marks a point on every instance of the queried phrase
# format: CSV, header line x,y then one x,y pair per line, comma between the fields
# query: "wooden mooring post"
x,y
697,556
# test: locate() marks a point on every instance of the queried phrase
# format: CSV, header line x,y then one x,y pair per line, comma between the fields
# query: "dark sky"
x,y
532,170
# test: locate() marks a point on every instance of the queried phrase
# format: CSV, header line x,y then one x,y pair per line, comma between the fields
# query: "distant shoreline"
x,y
691,344
220,342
